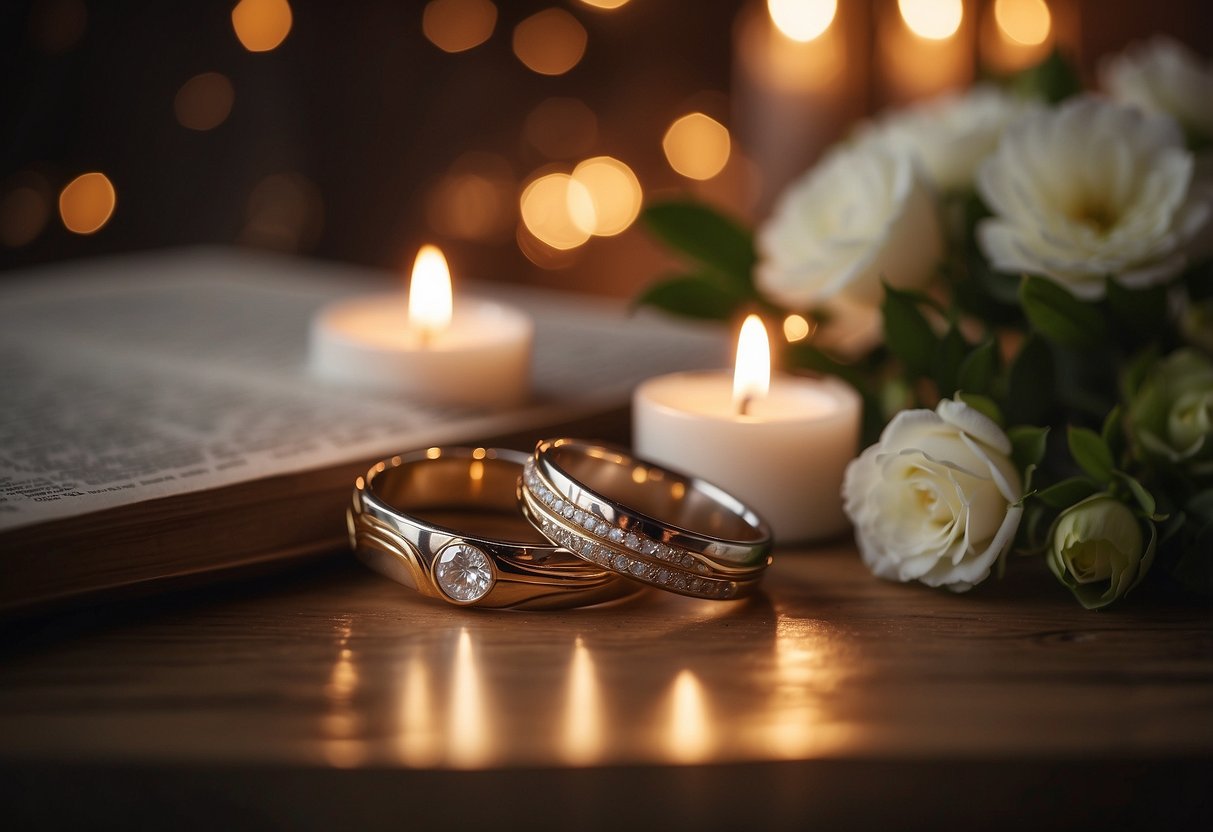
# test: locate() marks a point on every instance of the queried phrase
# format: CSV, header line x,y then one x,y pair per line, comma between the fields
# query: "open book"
x,y
158,421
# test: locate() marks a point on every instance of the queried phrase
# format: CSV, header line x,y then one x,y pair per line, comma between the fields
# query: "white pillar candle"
x,y
784,456
443,351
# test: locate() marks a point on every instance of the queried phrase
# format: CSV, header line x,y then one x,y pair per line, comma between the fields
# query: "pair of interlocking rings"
x,y
573,524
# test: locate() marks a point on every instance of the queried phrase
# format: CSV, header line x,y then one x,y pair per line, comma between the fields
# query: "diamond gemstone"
x,y
463,572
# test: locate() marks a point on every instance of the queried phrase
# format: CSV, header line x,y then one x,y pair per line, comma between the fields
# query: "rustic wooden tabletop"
x,y
331,695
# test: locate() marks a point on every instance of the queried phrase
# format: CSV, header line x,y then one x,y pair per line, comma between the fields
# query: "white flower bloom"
x,y
932,501
952,134
862,215
1164,76
1090,190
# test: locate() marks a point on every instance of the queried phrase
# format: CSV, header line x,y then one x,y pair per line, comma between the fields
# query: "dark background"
x,y
357,116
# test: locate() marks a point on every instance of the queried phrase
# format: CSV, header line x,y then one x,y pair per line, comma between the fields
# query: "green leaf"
x,y
977,370
907,333
1059,316
949,354
705,236
1028,444
1143,497
1029,398
1066,493
693,296
1111,432
1091,453
982,404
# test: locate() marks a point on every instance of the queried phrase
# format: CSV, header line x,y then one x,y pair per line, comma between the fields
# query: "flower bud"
x,y
1098,550
1171,415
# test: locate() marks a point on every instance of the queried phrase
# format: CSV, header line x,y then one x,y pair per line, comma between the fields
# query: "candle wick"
x,y
743,407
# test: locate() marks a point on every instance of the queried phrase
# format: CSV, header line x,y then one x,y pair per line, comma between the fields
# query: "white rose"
x,y
862,215
952,134
933,500
1163,76
1087,191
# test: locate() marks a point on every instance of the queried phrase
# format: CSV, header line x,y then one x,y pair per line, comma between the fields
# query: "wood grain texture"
x,y
829,677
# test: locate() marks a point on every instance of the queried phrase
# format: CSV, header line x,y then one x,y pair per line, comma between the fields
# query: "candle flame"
x,y
430,292
752,375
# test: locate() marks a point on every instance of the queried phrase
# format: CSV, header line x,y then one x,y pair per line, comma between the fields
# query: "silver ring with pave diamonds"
x,y
403,521
644,521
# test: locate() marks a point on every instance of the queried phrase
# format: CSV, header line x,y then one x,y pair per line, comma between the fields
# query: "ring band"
x,y
644,521
397,526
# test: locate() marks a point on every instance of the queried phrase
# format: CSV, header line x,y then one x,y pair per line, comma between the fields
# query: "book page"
x,y
146,376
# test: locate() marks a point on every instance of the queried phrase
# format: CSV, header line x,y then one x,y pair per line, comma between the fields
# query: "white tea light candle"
x,y
470,352
783,452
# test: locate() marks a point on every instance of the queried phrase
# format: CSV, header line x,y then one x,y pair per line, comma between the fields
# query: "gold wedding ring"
x,y
643,521
404,519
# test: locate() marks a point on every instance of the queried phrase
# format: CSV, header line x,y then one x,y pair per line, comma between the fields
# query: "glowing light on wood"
x,y
689,732
583,729
467,727
417,736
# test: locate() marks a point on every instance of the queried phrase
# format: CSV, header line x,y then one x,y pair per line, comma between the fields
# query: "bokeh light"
x,y
87,203
474,200
605,4
796,328
697,146
548,206
614,196
550,42
802,20
25,208
261,25
204,101
284,212
458,25
55,26
932,19
1026,22
561,128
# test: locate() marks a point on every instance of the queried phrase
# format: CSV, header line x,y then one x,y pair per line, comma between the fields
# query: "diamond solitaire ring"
x,y
643,521
403,519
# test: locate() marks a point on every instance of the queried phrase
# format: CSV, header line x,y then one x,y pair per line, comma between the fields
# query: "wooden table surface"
x,y
332,695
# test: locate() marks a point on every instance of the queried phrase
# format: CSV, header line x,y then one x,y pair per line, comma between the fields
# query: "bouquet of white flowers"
x,y
1019,280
